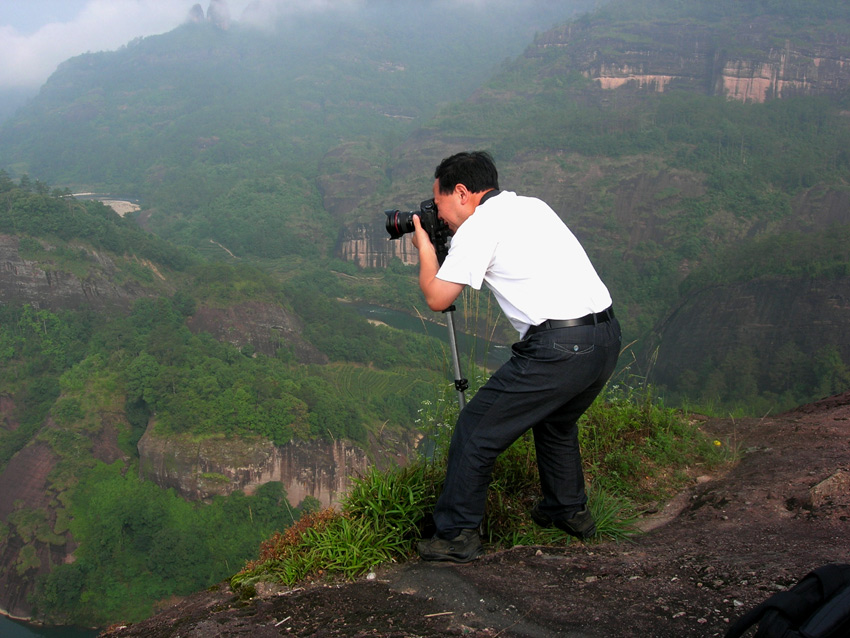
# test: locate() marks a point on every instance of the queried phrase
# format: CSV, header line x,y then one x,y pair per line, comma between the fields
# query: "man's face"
x,y
449,207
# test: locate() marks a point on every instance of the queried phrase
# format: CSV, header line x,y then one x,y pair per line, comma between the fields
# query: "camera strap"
x,y
488,195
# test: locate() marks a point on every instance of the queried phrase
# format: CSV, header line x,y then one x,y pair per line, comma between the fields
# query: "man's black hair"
x,y
474,170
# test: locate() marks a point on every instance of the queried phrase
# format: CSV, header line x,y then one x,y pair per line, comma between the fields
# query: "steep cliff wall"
x,y
754,61
201,469
34,534
24,509
47,285
369,246
772,322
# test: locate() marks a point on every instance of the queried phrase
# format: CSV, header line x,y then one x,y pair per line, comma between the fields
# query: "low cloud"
x,y
28,58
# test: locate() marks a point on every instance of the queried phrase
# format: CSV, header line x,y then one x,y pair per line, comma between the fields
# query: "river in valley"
x,y
15,629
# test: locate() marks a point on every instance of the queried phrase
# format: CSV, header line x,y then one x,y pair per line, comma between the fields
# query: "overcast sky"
x,y
37,35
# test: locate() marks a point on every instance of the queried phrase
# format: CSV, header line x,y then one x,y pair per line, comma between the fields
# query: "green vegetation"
x,y
822,255
247,191
222,134
140,545
254,176
737,170
30,209
637,453
74,379
70,374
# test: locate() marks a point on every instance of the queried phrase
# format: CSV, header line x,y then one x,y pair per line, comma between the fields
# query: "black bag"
x,y
818,606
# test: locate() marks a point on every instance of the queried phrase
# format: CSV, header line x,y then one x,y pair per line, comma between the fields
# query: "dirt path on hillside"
x,y
783,510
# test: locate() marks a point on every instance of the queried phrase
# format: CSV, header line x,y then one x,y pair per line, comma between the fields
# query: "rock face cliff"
x,y
45,284
765,332
758,60
201,469
35,537
369,246
754,61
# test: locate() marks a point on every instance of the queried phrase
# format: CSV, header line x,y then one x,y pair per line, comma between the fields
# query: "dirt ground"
x,y
721,547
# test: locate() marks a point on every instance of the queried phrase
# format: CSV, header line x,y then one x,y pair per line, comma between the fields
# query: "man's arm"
x,y
439,294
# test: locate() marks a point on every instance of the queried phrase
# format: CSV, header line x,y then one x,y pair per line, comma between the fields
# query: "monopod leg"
x,y
461,384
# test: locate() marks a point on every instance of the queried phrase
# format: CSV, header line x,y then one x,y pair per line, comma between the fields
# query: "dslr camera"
x,y
399,223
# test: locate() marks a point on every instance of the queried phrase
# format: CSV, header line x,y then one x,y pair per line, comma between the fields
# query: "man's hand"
x,y
420,236
439,294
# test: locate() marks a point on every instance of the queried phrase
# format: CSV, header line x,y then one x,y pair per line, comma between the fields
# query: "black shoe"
x,y
581,524
463,548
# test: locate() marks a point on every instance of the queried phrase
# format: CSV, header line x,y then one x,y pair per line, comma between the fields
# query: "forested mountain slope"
x,y
699,150
122,355
633,123
220,132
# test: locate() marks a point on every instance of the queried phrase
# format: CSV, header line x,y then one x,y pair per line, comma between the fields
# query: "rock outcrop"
x,y
265,327
34,539
201,469
661,56
219,14
196,14
769,320
45,285
369,246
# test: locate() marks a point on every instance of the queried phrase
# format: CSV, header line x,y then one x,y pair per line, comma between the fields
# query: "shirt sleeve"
x,y
470,255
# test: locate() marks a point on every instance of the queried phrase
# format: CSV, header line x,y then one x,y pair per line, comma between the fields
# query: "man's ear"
x,y
464,193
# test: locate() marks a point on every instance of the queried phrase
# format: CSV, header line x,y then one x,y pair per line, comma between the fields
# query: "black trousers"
x,y
552,377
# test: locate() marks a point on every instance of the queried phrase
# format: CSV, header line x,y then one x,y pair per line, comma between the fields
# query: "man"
x,y
570,341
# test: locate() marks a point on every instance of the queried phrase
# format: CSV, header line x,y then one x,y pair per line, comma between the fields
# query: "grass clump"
x,y
636,451
636,447
378,523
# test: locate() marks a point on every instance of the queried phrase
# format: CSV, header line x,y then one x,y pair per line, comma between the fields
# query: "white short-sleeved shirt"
x,y
527,256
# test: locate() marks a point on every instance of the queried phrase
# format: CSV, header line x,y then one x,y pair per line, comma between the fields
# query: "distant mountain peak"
x,y
218,14
196,14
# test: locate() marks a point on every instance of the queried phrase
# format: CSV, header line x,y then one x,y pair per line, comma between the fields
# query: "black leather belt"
x,y
587,320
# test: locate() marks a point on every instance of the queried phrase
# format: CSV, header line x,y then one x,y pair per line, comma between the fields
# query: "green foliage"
x,y
635,446
747,381
222,136
341,333
238,174
747,165
39,214
39,345
379,523
395,501
140,544
822,255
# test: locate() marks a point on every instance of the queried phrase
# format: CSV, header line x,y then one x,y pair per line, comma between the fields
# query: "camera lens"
x,y
399,223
